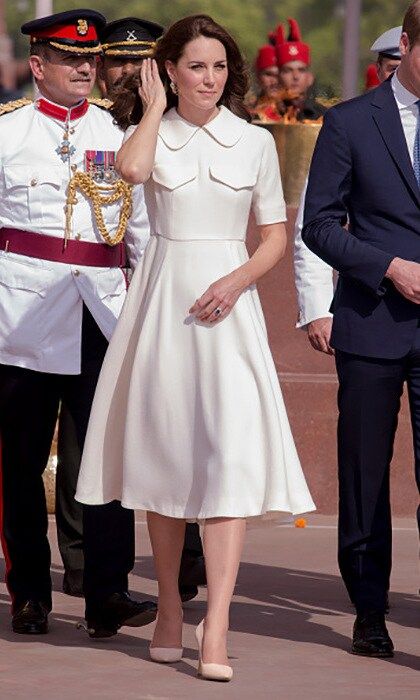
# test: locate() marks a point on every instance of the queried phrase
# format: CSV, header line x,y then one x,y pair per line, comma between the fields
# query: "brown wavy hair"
x,y
127,108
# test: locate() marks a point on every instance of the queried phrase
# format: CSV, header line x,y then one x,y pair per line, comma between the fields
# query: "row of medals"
x,y
97,171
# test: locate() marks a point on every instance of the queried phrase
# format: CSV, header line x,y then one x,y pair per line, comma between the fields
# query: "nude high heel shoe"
x,y
211,672
166,655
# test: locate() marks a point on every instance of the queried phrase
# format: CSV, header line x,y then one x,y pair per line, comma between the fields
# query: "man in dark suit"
x,y
366,168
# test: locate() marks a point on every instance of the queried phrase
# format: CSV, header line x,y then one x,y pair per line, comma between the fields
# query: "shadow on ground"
x,y
277,602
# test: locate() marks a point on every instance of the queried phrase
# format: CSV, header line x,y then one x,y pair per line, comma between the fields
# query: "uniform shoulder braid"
x,y
8,107
103,103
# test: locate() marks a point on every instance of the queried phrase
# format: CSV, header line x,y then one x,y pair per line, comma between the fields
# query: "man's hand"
x,y
319,334
405,276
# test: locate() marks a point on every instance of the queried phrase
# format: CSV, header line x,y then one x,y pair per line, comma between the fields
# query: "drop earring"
x,y
173,87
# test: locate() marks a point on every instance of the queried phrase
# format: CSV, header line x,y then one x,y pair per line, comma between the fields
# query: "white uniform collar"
x,y
403,97
226,128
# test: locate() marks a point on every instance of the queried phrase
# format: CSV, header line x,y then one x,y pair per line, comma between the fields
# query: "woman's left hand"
x,y
219,299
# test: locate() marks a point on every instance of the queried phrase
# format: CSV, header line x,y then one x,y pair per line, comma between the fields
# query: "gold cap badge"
x,y
82,27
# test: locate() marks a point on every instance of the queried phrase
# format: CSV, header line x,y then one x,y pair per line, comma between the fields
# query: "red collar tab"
x,y
62,113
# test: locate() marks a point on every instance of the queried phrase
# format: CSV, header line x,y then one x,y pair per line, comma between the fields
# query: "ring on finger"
x,y
217,311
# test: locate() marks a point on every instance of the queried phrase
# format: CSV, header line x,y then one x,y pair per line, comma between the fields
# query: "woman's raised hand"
x,y
151,89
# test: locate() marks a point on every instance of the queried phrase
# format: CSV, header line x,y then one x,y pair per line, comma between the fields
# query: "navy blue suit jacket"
x,y
361,172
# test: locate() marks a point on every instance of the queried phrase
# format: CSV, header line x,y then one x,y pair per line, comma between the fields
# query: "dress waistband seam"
x,y
199,240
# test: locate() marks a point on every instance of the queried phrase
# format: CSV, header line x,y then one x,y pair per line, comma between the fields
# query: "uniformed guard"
x,y
263,105
294,58
125,43
387,46
64,218
128,41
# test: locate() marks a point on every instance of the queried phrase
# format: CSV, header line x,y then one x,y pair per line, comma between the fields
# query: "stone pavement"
x,y
290,624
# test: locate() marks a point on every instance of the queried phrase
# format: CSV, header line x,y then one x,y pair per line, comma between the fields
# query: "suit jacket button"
x,y
34,182
76,273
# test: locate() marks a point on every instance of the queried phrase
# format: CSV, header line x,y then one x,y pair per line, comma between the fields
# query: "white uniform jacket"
x,y
41,302
313,277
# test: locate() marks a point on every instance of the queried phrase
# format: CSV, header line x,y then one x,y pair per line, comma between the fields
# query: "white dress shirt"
x,y
41,302
313,277
406,103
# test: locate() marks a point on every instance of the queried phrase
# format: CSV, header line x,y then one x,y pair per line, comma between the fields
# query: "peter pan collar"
x,y
226,128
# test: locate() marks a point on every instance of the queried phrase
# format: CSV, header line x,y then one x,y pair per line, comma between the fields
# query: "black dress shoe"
x,y
187,593
31,617
192,571
370,636
118,609
73,582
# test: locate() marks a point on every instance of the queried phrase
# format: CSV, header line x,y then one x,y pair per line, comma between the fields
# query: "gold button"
x,y
78,236
34,182
76,273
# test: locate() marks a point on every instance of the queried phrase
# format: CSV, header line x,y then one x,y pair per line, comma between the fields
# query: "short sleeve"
x,y
268,202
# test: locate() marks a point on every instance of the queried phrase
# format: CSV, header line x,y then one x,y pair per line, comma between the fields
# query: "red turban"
x,y
294,49
266,57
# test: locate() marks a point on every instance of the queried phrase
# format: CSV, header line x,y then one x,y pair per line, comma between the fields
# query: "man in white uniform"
x,y
313,277
124,44
61,291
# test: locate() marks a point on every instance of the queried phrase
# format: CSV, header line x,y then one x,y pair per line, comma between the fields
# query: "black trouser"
x,y
369,401
68,512
29,404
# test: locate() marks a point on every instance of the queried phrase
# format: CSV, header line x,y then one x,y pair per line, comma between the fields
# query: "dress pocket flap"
x,y
236,178
172,177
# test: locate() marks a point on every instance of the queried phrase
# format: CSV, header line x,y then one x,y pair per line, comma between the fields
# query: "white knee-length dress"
x,y
188,419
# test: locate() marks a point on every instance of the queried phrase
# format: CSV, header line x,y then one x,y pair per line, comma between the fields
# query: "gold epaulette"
x,y
103,103
328,101
8,107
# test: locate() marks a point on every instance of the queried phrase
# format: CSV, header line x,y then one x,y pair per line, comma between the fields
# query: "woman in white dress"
x,y
188,421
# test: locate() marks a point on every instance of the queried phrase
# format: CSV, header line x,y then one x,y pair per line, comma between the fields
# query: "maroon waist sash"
x,y
38,245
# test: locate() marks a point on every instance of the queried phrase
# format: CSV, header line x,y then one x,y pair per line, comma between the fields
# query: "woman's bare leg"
x,y
223,543
167,538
